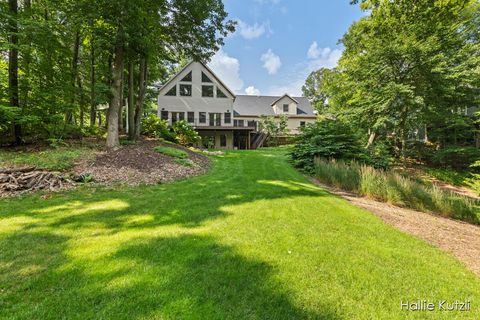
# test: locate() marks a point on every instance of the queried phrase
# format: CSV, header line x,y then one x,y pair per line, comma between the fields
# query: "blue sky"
x,y
279,42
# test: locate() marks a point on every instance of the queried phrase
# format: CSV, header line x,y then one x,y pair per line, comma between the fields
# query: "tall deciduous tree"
x,y
13,64
407,65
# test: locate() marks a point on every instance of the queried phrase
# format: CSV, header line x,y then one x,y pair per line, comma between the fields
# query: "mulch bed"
x,y
140,164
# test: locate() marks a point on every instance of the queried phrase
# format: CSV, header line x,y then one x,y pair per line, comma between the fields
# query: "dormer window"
x,y
285,108
188,77
205,78
172,92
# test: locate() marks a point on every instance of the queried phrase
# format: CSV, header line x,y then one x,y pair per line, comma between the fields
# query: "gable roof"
x,y
204,66
285,95
262,105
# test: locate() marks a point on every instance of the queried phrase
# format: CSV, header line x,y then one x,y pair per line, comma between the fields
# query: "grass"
x,y
50,159
252,239
171,152
396,189
185,162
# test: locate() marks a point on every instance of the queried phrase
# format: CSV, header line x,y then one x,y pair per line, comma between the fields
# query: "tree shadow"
x,y
186,277
145,275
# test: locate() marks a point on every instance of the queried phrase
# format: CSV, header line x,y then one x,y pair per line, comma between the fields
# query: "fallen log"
x,y
26,180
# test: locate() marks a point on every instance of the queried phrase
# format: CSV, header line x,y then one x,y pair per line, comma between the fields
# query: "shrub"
x,y
171,152
186,134
393,188
154,127
459,158
326,139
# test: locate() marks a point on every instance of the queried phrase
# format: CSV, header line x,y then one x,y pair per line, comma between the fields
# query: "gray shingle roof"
x,y
262,105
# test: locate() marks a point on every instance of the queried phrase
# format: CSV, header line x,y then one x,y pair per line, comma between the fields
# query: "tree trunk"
x,y
81,100
120,110
93,111
13,66
371,138
27,58
116,87
142,86
131,107
76,51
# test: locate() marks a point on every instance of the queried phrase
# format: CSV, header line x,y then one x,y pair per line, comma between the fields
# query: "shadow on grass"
x,y
182,275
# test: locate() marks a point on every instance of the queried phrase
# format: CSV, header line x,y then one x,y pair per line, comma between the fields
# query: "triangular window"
x,y
205,78
220,93
172,91
188,77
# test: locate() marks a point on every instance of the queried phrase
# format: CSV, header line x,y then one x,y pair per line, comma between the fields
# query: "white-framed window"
x,y
185,90
285,108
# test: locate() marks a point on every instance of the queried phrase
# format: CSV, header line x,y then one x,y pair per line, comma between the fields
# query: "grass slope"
x,y
252,239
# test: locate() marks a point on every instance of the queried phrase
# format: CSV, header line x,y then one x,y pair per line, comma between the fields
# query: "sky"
x,y
279,42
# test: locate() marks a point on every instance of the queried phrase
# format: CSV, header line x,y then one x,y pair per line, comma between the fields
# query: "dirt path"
x,y
458,238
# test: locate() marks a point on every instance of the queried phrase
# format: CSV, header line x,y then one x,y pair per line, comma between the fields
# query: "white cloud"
x,y
252,91
227,69
271,61
323,57
293,80
313,51
252,31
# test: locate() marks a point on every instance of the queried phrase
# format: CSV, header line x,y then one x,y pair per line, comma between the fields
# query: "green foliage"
x,y
326,138
314,89
459,158
274,127
67,50
60,158
154,127
171,152
408,67
185,133
393,188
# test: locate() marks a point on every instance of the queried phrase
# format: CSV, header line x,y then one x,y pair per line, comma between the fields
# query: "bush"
x,y
393,188
186,134
154,127
459,158
326,139
171,152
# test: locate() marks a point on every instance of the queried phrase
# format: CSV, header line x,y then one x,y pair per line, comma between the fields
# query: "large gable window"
x,y
188,77
207,91
186,90
205,78
220,93
172,92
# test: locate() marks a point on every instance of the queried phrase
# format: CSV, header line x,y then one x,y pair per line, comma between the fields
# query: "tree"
x,y
407,65
274,127
314,90
13,64
64,55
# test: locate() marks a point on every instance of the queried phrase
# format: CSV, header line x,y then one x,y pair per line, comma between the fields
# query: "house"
x,y
223,119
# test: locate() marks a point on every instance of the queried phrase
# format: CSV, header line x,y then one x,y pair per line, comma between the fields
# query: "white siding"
x,y
292,106
196,102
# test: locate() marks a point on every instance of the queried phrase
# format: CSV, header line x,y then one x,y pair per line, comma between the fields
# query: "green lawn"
x,y
49,159
252,239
